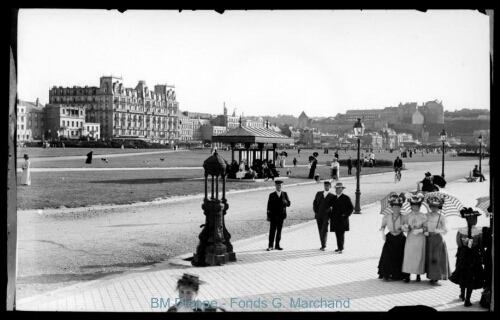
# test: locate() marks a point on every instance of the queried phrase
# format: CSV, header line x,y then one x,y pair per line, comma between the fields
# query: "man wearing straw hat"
x,y
342,208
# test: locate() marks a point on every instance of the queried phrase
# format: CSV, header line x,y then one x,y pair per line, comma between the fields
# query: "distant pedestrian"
x,y
298,150
89,157
336,154
64,147
349,165
334,170
276,213
295,162
391,259
322,209
26,176
313,162
339,217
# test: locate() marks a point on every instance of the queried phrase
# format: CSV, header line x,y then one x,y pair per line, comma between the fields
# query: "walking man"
x,y
339,217
322,208
349,166
276,214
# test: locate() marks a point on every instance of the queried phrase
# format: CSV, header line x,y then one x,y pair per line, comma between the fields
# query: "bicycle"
x,y
397,176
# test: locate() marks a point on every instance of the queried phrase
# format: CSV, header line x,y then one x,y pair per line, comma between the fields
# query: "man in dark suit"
x,y
349,166
276,214
322,208
339,217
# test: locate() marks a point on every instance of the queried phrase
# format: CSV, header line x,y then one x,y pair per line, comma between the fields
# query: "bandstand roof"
x,y
253,135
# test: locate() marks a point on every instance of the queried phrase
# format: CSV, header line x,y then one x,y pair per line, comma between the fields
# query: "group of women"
x,y
423,249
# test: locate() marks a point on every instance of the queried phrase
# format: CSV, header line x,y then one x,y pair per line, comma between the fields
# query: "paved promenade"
x,y
299,278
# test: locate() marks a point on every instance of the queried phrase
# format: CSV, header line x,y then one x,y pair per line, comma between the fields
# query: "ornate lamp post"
x,y
443,139
214,248
480,140
359,129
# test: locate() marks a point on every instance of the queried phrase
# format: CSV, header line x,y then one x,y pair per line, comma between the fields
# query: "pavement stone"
x,y
299,278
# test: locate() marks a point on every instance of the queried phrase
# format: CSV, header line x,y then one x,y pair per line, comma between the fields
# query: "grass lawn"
x,y
192,158
35,152
81,189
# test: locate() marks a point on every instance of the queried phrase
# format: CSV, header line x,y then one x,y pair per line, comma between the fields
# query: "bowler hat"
x,y
340,185
278,181
327,182
428,174
25,156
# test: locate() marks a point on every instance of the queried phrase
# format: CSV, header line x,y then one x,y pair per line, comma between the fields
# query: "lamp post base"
x,y
357,207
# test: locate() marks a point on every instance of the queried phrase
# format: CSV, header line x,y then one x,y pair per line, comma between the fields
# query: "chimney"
x,y
37,102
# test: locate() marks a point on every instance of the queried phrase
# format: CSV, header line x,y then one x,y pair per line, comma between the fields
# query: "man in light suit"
x,y
342,208
276,214
322,206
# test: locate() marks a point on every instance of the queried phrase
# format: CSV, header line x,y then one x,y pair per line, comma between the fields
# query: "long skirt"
x,y
334,174
26,177
414,257
437,265
391,259
469,271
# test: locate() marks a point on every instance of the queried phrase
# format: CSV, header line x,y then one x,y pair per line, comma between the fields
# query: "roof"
x,y
303,114
253,135
31,106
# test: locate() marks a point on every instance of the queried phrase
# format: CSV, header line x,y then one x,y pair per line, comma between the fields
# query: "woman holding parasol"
x,y
414,255
437,266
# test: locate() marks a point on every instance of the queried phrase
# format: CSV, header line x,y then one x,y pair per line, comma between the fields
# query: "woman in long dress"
x,y
469,273
335,168
437,266
26,176
414,256
391,259
89,158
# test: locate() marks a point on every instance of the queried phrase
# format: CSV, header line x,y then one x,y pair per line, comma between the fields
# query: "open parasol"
x,y
483,203
439,181
451,205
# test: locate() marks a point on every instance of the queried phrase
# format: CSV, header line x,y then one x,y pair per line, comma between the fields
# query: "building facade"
x,y
126,112
65,121
30,120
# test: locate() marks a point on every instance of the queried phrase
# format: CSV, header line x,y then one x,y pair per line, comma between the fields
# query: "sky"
x,y
264,62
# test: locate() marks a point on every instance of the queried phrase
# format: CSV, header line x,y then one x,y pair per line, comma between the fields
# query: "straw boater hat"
x,y
435,201
416,199
397,200
469,212
340,185
327,182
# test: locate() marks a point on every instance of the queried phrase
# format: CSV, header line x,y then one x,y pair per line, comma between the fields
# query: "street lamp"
x,y
443,138
359,129
480,140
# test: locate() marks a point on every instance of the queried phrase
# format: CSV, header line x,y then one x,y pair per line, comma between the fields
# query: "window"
x,y
36,115
88,128
22,118
22,127
64,123
29,123
72,123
